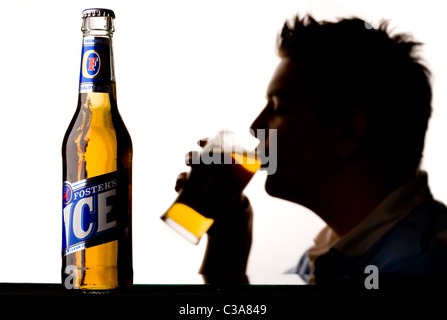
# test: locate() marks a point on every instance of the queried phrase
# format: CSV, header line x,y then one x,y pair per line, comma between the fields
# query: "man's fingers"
x,y
202,142
181,179
192,157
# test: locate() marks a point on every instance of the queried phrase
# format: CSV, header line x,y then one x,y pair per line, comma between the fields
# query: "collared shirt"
x,y
406,233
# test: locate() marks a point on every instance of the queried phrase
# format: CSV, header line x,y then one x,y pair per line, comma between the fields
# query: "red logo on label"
x,y
92,64
67,193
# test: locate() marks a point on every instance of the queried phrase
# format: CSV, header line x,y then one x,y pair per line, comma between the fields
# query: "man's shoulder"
x,y
416,245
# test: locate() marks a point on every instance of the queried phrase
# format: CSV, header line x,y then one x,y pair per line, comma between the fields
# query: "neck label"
x,y
95,75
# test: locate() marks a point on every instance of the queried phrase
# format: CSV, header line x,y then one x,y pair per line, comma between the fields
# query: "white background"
x,y
184,69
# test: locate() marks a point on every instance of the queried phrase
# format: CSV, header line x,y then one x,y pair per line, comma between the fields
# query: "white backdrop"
x,y
184,69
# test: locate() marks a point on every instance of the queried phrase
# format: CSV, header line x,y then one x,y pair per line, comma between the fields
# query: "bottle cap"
x,y
98,12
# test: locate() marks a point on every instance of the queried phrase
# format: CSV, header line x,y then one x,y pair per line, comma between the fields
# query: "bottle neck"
x,y
97,72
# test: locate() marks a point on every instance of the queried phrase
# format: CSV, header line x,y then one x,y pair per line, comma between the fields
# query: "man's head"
x,y
343,93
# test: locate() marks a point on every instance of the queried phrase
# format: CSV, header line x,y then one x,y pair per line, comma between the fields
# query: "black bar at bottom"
x,y
223,301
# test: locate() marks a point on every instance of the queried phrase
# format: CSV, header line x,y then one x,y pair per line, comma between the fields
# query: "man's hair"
x,y
352,66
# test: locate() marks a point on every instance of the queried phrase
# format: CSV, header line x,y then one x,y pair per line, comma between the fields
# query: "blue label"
x,y
88,212
95,73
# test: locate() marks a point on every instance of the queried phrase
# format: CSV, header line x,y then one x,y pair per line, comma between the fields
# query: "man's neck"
x,y
351,199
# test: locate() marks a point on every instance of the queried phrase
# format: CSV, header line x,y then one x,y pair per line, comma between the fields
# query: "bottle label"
x,y
90,212
95,75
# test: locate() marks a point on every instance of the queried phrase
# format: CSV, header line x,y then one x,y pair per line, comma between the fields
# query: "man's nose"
x,y
259,123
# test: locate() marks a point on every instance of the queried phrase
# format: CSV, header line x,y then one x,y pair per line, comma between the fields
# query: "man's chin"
x,y
273,187
281,189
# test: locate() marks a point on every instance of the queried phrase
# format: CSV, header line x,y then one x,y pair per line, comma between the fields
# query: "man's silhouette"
x,y
350,105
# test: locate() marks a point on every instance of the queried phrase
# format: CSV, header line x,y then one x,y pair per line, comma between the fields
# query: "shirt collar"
x,y
394,208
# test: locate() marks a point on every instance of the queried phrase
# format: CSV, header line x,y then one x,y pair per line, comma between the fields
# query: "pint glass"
x,y
218,175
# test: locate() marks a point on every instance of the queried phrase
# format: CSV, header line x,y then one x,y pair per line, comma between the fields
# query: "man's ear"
x,y
350,131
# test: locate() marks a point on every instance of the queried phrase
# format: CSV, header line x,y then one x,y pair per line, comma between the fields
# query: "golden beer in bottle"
x,y
97,171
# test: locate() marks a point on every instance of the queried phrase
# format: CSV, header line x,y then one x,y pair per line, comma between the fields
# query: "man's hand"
x,y
230,236
229,241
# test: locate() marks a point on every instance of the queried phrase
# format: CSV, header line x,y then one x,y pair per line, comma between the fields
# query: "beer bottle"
x,y
97,171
